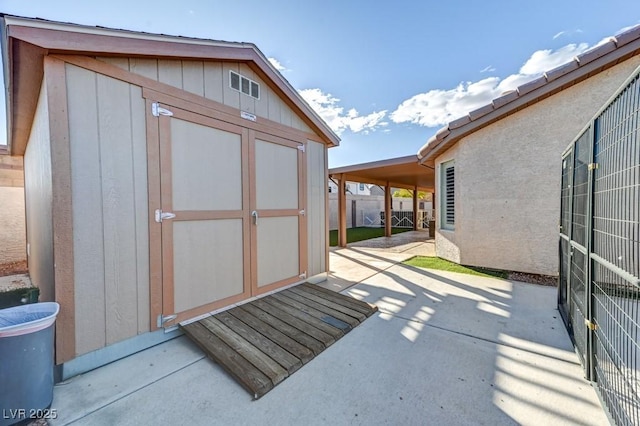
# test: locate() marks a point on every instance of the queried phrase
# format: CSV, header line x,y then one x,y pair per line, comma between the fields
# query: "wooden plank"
x,y
144,67
213,81
353,321
262,362
252,379
334,332
118,208
86,204
287,343
344,326
315,341
328,303
341,299
62,217
155,229
268,347
170,72
193,77
141,204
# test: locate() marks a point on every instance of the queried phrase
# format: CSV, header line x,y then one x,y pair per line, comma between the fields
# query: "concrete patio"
x,y
445,348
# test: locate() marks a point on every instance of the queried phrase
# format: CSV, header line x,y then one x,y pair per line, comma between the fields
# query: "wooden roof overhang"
x,y
401,172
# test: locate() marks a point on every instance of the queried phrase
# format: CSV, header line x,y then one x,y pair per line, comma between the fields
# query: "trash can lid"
x,y
27,318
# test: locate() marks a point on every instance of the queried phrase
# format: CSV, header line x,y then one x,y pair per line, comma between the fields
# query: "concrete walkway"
x,y
445,348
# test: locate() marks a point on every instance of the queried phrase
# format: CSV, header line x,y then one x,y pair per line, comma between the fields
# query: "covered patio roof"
x,y
401,172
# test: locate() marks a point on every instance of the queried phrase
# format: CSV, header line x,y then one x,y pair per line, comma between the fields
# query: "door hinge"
x,y
301,148
303,275
157,110
591,325
160,215
162,319
592,166
302,212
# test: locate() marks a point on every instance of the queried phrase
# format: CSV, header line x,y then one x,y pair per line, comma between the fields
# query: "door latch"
x,y
160,215
254,214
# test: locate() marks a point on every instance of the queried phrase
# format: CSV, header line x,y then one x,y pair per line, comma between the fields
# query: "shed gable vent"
x,y
244,85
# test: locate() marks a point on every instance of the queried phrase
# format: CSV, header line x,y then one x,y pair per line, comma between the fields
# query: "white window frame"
x,y
444,222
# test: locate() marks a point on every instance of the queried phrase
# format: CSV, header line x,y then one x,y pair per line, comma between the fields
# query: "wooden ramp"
x,y
263,342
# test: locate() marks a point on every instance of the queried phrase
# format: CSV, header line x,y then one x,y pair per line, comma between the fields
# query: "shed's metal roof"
x,y
595,60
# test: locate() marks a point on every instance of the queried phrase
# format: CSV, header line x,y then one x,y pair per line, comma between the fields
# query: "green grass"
x,y
445,265
362,233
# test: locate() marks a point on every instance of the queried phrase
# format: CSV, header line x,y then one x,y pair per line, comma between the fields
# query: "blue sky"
x,y
385,75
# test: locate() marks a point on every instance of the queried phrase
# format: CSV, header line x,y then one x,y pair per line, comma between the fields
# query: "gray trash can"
x,y
26,361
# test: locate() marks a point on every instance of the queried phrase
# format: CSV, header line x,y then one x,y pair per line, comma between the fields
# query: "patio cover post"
x,y
342,211
387,210
415,208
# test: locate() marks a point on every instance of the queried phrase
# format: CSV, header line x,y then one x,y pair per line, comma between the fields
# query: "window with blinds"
x,y
448,204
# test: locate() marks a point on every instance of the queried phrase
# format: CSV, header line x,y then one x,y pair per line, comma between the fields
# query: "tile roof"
x,y
596,59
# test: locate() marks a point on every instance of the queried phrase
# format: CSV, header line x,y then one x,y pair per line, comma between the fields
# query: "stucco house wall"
x,y
507,179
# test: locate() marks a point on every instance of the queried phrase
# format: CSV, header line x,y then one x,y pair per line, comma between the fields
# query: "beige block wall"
x,y
12,225
12,221
507,191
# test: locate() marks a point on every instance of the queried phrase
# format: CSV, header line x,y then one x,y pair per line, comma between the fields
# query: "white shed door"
x,y
232,201
279,231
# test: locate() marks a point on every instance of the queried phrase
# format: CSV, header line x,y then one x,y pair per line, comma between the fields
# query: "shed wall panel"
x,y
170,72
86,185
210,79
38,201
141,204
114,127
316,212
507,194
193,77
213,81
108,157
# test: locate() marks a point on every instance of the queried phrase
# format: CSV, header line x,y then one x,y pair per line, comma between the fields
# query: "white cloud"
x,y
488,68
566,33
544,60
438,107
560,34
277,65
327,106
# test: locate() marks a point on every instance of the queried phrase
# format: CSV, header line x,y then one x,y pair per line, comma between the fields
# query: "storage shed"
x,y
165,178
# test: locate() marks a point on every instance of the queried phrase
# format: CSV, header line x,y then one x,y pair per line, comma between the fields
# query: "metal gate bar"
x,y
599,251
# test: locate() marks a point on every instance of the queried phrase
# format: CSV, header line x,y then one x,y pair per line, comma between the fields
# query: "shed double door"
x,y
232,214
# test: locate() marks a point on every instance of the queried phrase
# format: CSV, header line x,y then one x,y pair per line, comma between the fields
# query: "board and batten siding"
x,y
110,204
316,211
38,201
210,79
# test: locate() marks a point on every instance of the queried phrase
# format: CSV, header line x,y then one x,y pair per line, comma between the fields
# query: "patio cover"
x,y
402,172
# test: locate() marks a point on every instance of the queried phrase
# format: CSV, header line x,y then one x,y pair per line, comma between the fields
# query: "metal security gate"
x,y
599,249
